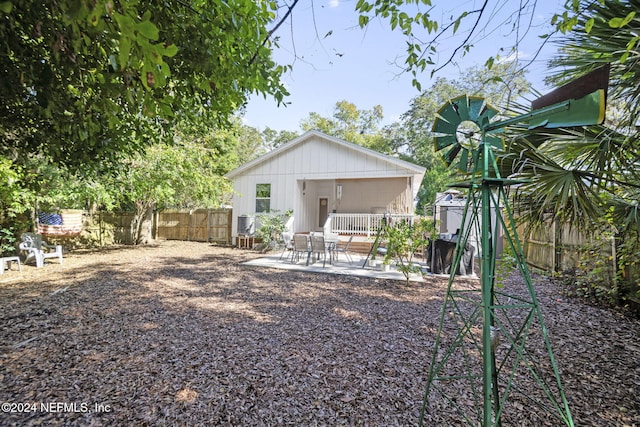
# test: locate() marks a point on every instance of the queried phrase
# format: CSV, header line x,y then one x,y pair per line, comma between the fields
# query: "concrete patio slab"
x,y
337,267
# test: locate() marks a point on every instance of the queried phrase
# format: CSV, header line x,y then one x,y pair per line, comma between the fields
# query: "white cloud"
x,y
514,56
334,3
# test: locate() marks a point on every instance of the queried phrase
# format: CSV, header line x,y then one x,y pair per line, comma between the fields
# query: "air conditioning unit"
x,y
246,225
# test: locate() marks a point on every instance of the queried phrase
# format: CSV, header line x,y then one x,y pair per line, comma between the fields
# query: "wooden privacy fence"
x,y
200,225
114,226
559,248
556,247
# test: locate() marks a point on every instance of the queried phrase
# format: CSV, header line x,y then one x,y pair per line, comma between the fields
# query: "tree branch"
x,y
461,45
273,30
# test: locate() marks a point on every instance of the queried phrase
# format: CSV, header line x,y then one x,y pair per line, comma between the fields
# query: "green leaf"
x,y
632,42
624,57
615,22
170,50
589,25
125,23
457,23
629,18
621,22
95,16
124,50
576,5
148,29
6,7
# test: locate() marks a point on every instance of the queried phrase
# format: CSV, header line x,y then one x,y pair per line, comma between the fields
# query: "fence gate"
x,y
220,226
200,225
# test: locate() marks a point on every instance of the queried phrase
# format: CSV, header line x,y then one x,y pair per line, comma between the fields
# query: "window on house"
x,y
263,198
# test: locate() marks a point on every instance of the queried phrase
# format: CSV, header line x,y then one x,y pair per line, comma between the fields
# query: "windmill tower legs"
x,y
492,354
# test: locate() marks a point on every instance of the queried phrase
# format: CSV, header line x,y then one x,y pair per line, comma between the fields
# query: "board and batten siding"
x,y
319,159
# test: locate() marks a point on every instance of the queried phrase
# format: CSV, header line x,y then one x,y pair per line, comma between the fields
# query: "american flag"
x,y
59,224
50,218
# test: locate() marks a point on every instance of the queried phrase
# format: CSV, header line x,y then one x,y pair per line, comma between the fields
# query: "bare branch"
x,y
274,29
461,45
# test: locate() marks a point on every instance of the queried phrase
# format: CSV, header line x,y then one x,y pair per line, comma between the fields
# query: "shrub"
x,y
271,227
404,240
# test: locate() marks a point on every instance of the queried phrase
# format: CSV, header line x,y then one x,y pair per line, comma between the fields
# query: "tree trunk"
x,y
142,224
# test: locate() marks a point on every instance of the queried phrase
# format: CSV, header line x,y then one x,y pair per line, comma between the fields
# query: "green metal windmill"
x,y
492,354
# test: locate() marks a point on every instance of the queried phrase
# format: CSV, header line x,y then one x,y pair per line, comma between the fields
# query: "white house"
x,y
330,184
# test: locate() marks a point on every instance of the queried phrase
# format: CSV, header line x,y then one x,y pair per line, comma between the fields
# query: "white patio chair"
x,y
287,240
38,249
318,247
300,246
344,250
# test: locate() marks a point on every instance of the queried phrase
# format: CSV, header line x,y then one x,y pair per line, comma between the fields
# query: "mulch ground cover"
x,y
179,333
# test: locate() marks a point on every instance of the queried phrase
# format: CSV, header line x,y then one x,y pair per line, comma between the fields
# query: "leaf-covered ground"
x,y
180,333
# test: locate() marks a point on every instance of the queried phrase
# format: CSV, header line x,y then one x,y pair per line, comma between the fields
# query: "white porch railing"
x,y
360,223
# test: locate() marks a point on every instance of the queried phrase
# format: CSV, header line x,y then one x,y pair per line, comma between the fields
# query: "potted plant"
x,y
386,264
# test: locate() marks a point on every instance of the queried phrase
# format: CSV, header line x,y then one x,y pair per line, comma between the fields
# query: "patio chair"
x,y
300,246
344,250
39,250
318,247
287,240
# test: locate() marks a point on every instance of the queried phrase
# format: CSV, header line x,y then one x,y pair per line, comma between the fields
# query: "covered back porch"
x,y
352,206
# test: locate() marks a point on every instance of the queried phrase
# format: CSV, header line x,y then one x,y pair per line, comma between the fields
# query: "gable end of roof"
x,y
314,133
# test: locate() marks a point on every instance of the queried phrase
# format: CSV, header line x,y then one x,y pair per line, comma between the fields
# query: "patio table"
x,y
330,244
6,262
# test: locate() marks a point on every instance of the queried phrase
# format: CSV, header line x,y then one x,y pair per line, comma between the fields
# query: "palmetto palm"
x,y
577,174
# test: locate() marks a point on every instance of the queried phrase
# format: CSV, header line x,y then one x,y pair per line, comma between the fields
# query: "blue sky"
x,y
334,59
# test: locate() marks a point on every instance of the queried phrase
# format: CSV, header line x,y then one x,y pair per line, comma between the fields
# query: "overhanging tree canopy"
x,y
84,82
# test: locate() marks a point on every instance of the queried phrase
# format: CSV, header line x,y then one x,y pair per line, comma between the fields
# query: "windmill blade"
x,y
447,119
450,155
440,142
486,114
444,127
462,104
475,108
